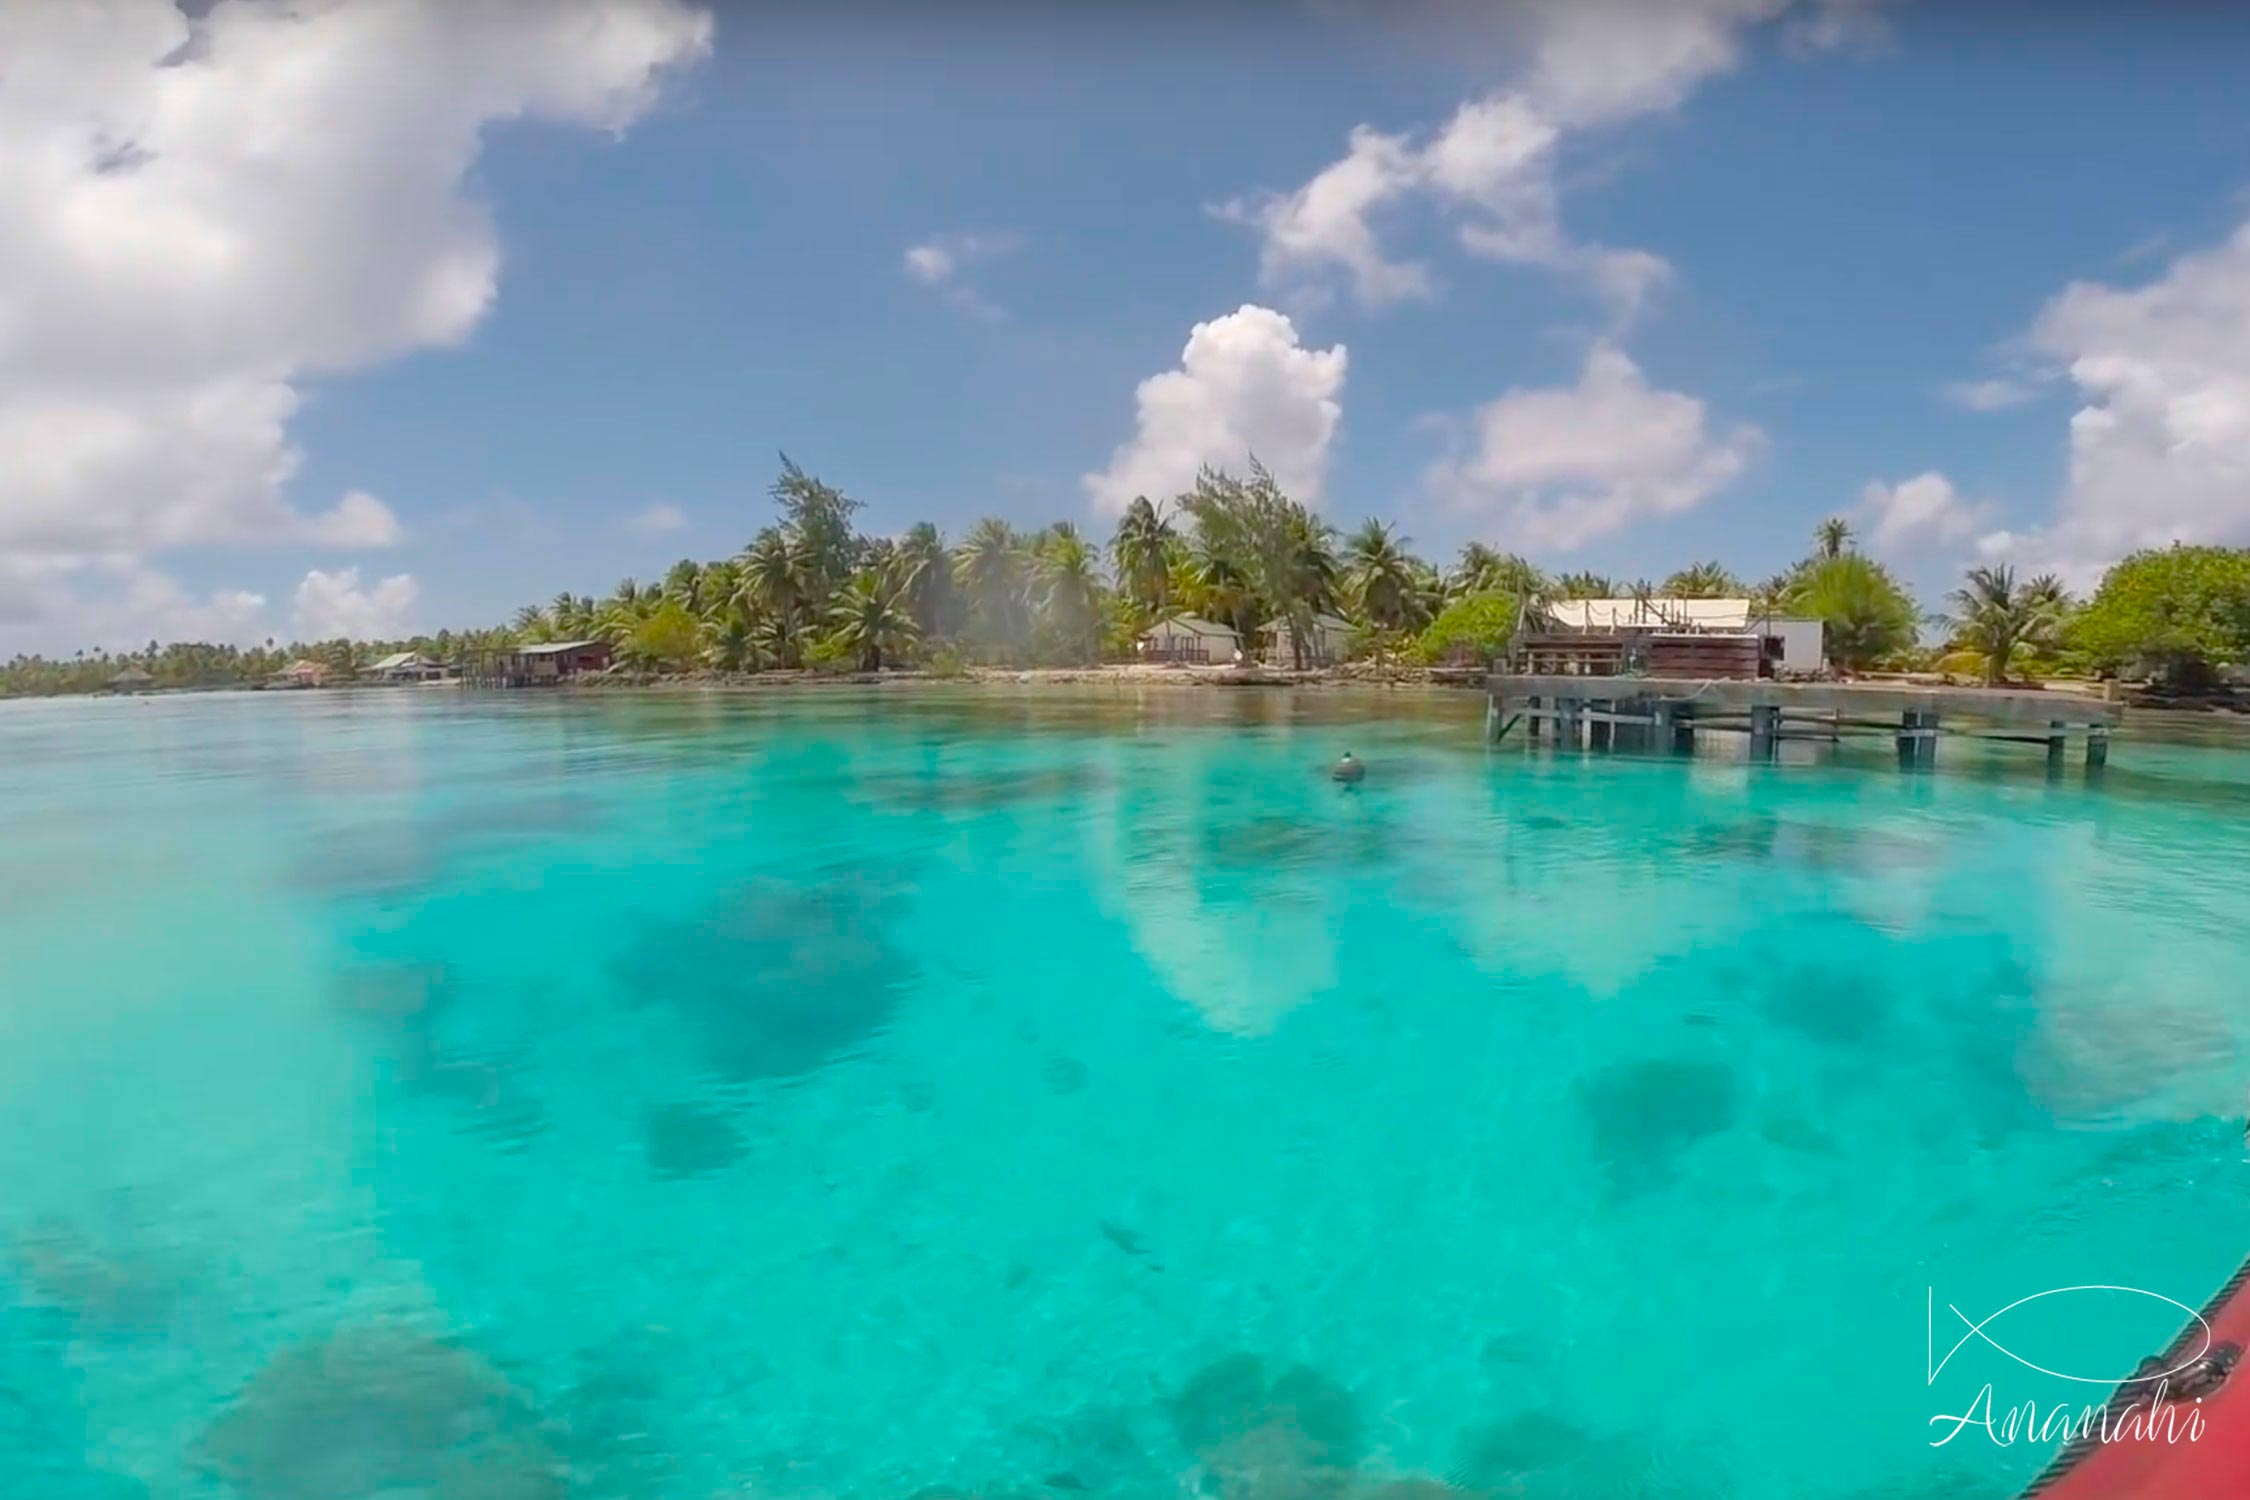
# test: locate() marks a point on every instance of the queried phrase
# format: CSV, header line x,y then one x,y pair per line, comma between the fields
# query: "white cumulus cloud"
x,y
930,263
2160,441
329,605
1924,509
1245,386
1557,467
359,520
1582,65
205,210
115,602
943,261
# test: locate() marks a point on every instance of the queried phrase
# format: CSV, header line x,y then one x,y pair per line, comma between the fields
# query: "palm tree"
x,y
1831,537
1380,575
1476,571
1771,595
730,640
1482,570
927,568
1307,579
1142,551
871,619
1584,586
716,587
1865,613
990,567
1070,592
775,582
1221,587
1995,616
682,582
621,614
1703,580
568,615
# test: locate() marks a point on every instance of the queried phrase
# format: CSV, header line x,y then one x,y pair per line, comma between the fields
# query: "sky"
x,y
369,316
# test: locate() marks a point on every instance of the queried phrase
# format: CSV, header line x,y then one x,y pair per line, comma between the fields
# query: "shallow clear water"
x,y
847,1094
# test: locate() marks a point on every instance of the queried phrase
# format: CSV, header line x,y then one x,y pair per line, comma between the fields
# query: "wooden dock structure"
x,y
1664,714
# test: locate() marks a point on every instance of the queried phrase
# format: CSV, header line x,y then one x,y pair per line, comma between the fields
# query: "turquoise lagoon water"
x,y
844,1094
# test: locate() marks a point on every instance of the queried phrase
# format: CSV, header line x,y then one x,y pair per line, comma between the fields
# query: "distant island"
x,y
1232,569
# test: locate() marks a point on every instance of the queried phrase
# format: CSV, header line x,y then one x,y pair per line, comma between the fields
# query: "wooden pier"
x,y
1667,713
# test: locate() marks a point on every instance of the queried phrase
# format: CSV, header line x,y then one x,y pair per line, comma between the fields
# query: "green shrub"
x,y
829,652
2175,612
1478,626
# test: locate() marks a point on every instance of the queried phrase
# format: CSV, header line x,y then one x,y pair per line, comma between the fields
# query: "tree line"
x,y
810,590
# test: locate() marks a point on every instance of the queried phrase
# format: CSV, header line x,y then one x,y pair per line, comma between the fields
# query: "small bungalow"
x,y
1190,638
406,666
541,665
301,673
131,680
1327,641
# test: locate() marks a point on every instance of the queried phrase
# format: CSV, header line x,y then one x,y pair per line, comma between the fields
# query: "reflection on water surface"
x,y
1022,1093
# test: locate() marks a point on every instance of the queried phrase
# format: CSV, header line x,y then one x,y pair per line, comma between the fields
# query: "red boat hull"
x,y
2149,1455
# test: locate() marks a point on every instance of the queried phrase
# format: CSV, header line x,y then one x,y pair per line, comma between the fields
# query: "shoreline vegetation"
x,y
811,598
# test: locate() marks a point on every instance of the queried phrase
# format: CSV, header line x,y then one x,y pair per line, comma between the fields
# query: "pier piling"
x,y
1917,739
1665,714
1765,719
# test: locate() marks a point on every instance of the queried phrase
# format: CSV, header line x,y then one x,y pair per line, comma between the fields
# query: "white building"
x,y
1804,644
1801,649
1326,641
1190,638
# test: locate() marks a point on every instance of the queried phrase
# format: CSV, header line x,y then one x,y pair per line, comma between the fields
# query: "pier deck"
x,y
1667,712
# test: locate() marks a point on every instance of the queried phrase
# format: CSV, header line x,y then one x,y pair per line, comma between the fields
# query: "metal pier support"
x,y
1917,740
2097,748
1765,718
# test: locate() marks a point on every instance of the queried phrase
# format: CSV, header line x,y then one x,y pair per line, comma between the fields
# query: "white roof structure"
x,y
1321,621
1190,625
398,659
1653,614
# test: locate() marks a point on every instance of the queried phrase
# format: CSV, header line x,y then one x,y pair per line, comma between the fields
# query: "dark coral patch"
x,y
1835,1007
776,980
1267,1431
1507,1457
1644,1115
376,1410
686,1140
